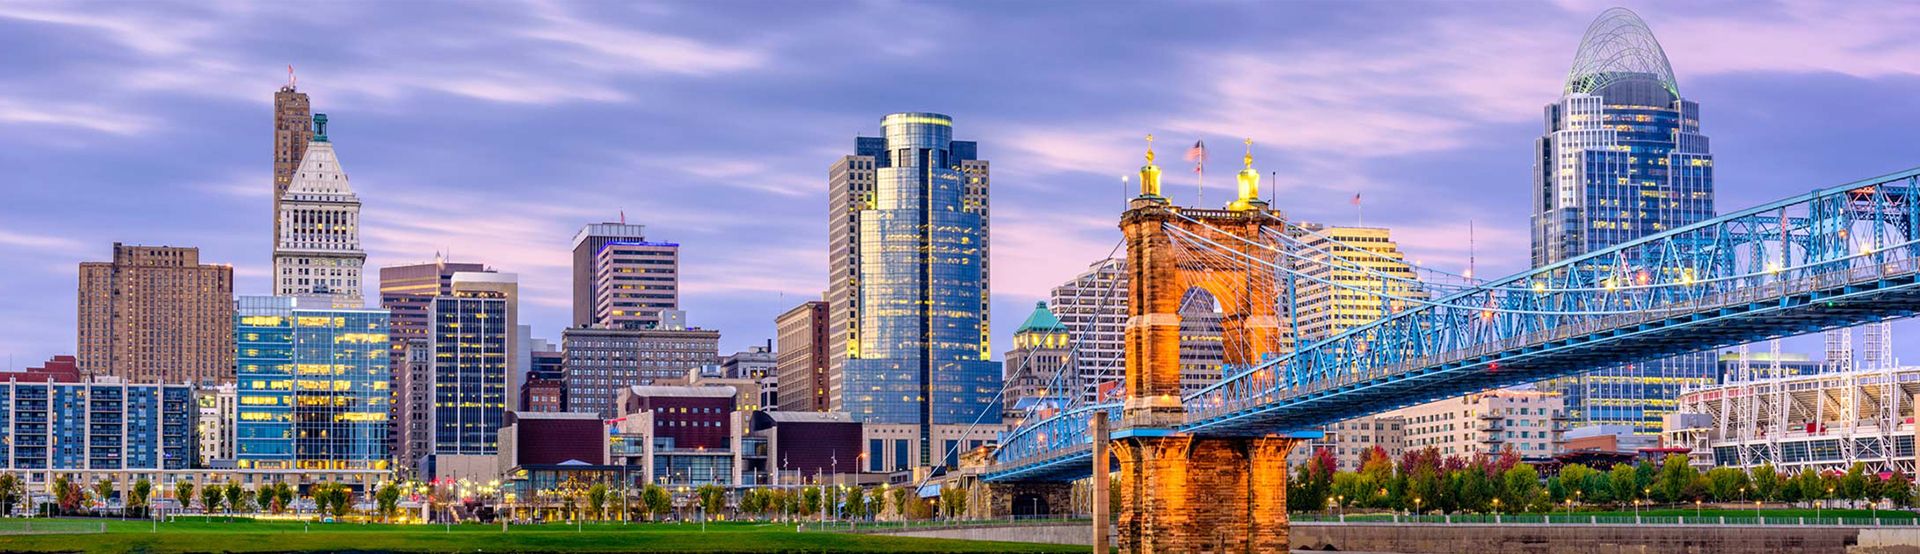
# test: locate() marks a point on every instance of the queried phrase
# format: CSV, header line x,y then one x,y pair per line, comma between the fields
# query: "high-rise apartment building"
x,y
1526,421
601,361
155,314
875,191
292,129
1093,306
104,424
636,283
800,339
470,359
586,248
907,301
312,384
219,407
1042,351
1622,157
318,248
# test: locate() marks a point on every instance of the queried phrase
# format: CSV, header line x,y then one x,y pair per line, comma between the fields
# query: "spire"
x,y
1249,184
1150,174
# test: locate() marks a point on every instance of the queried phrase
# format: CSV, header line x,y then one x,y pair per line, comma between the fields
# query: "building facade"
x,y
312,384
636,283
875,198
412,429
1622,157
1529,422
918,352
1350,268
800,337
586,248
318,249
218,407
155,314
1036,373
1093,306
98,425
600,361
470,357
407,292
292,129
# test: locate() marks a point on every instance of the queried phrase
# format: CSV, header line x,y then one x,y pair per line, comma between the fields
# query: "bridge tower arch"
x,y
1182,493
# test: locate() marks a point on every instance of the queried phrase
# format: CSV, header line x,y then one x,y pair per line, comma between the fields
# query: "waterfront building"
x,y
412,429
155,314
312,384
292,130
1801,422
1352,258
907,298
1527,421
1622,157
102,424
802,357
318,248
601,361
586,247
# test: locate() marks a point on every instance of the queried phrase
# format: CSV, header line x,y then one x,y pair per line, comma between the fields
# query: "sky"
x,y
492,130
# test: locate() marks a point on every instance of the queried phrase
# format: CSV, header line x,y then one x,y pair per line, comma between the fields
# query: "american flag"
x,y
1197,155
1356,199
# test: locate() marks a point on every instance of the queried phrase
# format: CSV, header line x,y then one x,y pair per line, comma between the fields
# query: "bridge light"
x,y
1539,286
1610,285
1773,268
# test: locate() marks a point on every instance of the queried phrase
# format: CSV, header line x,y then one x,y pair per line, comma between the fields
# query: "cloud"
x,y
79,115
46,243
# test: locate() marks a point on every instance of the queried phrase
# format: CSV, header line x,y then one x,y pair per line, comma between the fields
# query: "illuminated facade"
x,y
1622,158
312,384
876,188
102,425
919,353
1355,257
1042,349
469,388
636,283
1093,306
318,249
292,129
586,248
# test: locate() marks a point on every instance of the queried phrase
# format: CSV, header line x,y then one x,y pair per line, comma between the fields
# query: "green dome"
x,y
1042,320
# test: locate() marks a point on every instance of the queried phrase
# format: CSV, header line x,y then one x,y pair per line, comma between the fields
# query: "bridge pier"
x,y
1200,495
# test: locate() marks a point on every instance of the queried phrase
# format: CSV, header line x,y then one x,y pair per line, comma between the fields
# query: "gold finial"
x,y
1149,148
1249,159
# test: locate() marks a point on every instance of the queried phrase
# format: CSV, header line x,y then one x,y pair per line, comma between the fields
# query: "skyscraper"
x,y
586,245
801,354
1352,256
922,141
312,384
918,353
155,314
1042,350
292,129
636,283
318,251
1622,158
602,361
1093,307
407,292
470,355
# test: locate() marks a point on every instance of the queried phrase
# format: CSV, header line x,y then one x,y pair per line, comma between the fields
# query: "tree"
x,y
876,502
900,498
1807,486
142,489
183,493
103,490
1766,482
597,501
1898,488
233,494
210,497
657,501
1676,477
1519,488
953,501
857,503
1725,484
809,501
276,497
1853,486
9,493
388,500
1312,482
713,499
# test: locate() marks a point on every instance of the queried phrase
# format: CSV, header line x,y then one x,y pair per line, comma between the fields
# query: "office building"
x,y
218,409
586,248
412,429
543,390
1350,269
470,356
753,363
292,129
407,292
636,284
318,251
913,173
1203,347
312,384
104,424
801,353
907,307
1529,422
155,314
505,286
1622,157
552,438
1036,371
1093,307
600,362
746,390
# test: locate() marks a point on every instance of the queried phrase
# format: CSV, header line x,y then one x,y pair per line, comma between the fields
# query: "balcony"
x,y
1492,426
1491,438
1490,415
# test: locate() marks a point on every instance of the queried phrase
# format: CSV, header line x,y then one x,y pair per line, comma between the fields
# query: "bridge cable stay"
x,y
1236,290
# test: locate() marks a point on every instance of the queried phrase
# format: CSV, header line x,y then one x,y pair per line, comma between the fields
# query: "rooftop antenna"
x,y
1470,251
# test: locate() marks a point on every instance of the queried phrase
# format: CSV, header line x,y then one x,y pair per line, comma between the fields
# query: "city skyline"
x,y
1401,123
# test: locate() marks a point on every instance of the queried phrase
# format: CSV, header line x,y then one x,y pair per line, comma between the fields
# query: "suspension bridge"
x,y
1204,469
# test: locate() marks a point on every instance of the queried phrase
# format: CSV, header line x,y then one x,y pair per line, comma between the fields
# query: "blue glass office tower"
x,y
1622,158
919,353
311,384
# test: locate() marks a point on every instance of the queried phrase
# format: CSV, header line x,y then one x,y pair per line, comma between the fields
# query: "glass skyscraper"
x,y
469,371
312,383
920,355
1622,158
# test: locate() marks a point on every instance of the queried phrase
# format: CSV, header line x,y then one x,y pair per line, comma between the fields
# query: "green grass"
x,y
263,536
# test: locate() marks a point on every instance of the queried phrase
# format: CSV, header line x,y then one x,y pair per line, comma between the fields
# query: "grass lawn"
x,y
250,536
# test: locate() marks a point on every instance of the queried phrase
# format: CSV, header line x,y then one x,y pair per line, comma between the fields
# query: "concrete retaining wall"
x,y
1887,541
1519,539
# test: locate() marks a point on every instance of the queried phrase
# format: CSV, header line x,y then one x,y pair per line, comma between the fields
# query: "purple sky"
x,y
495,129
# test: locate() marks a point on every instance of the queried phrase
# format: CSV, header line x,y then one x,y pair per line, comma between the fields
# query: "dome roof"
x,y
1618,46
1042,320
